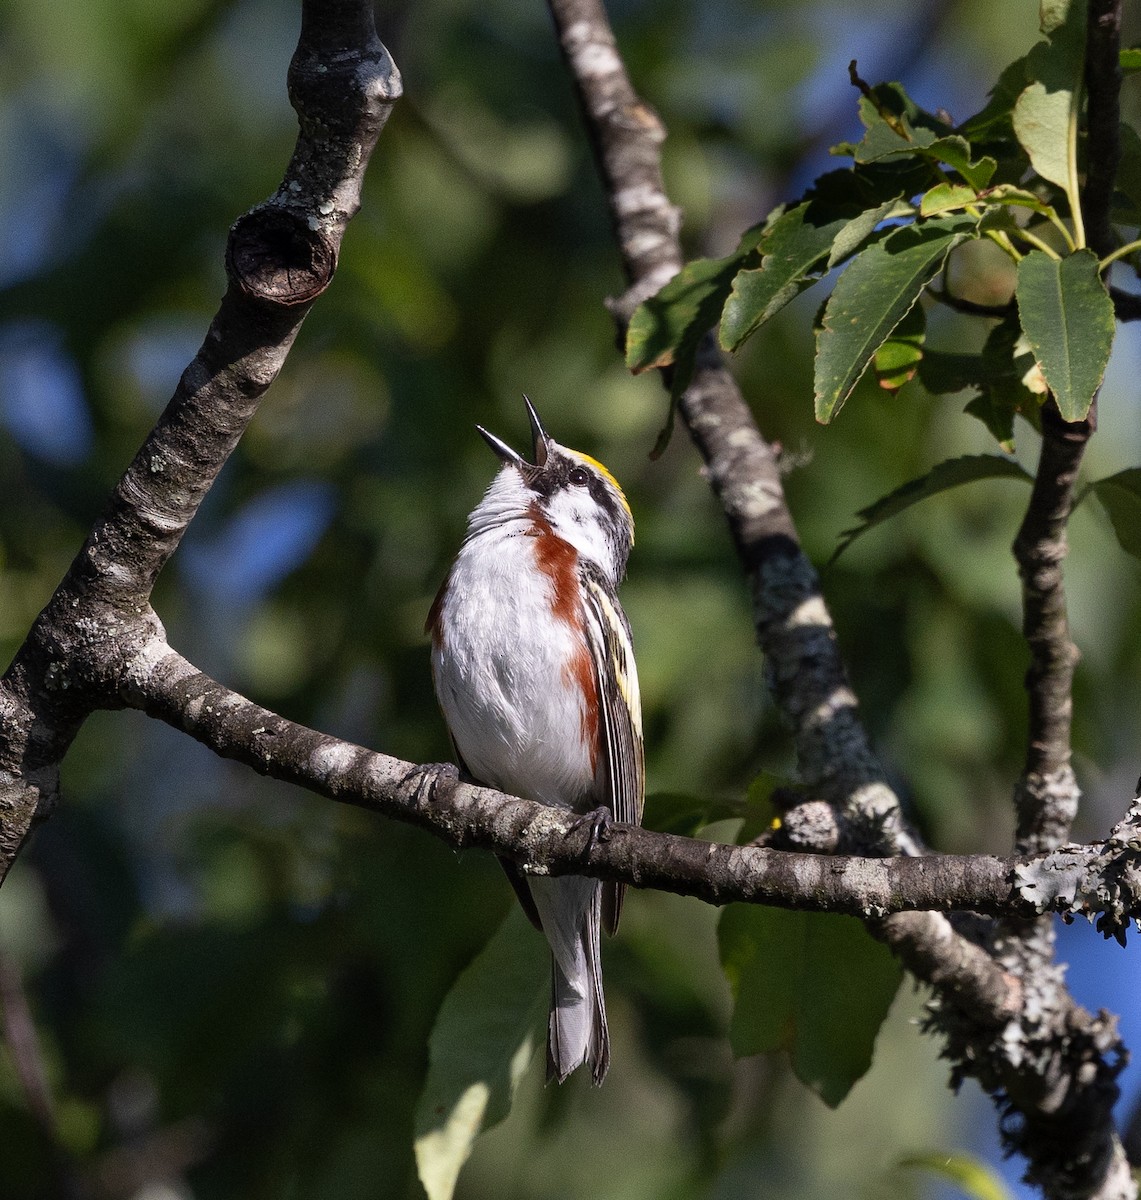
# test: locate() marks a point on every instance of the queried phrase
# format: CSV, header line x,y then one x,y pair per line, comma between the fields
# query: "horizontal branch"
x,y
549,841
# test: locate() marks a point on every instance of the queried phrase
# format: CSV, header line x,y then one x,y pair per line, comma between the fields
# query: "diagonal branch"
x,y
1064,1064
793,625
280,257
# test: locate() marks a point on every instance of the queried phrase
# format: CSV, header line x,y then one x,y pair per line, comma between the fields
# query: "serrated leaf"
x,y
898,359
1120,496
947,197
804,242
1016,197
1006,363
1046,112
871,297
954,472
484,1038
1068,317
860,228
794,247
791,975
669,325
896,126
972,1177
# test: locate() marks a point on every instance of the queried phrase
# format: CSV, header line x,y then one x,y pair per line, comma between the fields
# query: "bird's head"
x,y
573,493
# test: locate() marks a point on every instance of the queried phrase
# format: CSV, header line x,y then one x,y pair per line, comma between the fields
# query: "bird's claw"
x,y
600,822
428,778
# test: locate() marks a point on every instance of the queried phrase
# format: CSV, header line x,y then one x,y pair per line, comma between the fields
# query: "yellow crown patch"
x,y
593,462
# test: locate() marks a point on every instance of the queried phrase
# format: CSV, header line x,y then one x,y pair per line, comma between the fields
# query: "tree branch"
x,y
1103,122
1046,797
1044,1066
98,644
1102,879
794,628
1070,1058
280,257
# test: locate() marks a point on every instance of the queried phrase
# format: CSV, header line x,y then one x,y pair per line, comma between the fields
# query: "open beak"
x,y
539,440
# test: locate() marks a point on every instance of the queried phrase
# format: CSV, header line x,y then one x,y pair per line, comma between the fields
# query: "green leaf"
x,y
942,372
1011,194
1068,317
895,126
1006,363
952,473
996,416
794,246
668,326
898,128
972,1177
1046,113
860,228
1130,59
792,979
955,151
898,359
870,299
481,1045
1120,496
944,197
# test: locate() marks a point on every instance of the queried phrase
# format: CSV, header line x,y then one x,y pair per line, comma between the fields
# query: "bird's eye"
x,y
579,476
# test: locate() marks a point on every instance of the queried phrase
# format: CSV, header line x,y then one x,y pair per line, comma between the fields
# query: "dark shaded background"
x,y
234,982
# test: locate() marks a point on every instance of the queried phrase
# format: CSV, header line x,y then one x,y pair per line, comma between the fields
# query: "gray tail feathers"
x,y
571,911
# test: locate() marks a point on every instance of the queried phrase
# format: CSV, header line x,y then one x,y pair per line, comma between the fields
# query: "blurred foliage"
x,y
234,984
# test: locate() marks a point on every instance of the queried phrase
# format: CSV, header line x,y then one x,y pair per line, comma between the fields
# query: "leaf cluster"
x,y
918,188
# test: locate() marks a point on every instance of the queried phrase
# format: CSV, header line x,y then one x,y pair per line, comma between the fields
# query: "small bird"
x,y
534,671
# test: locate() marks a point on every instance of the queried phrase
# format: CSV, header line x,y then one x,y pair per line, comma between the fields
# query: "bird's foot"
x,y
428,779
600,822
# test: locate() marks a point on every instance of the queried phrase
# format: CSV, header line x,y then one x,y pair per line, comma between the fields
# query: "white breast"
x,y
501,664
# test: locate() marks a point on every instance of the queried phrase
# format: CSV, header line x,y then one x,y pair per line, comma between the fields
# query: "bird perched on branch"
x,y
534,671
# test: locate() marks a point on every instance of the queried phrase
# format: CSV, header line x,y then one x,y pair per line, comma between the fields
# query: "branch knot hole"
x,y
276,256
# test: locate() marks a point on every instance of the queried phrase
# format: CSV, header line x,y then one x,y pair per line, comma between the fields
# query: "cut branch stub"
x,y
274,256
